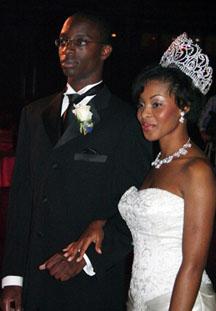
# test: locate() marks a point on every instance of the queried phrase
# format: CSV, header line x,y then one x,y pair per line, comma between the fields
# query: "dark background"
x,y
29,66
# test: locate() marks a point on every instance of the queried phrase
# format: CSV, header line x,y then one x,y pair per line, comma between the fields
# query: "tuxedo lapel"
x,y
52,120
101,101
71,132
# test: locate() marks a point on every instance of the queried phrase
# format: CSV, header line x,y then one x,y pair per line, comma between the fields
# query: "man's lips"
x,y
69,63
147,126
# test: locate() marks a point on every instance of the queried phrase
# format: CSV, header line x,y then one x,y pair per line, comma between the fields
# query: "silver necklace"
x,y
181,151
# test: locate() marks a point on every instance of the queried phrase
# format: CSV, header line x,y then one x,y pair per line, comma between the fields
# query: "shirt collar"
x,y
70,90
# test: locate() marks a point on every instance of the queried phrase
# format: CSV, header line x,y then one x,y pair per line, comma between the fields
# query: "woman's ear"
x,y
186,109
182,113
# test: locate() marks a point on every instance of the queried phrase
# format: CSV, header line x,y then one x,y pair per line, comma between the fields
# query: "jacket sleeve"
x,y
132,161
19,210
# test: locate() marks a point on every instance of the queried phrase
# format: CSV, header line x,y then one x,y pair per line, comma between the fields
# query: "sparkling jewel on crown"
x,y
188,57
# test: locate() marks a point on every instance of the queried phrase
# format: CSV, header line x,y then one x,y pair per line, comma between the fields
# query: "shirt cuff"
x,y
88,268
12,280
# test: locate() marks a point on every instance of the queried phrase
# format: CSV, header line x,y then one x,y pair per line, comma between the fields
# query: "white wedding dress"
x,y
155,218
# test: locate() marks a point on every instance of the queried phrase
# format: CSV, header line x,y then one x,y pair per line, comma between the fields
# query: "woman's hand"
x,y
93,234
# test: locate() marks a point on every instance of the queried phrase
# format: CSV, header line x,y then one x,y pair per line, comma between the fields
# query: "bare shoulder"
x,y
198,171
198,187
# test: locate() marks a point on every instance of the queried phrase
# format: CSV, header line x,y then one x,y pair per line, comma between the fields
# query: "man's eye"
x,y
81,42
62,41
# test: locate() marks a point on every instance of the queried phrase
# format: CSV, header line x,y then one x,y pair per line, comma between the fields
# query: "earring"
x,y
181,119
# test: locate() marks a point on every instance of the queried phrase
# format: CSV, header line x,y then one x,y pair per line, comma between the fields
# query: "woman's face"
x,y
158,113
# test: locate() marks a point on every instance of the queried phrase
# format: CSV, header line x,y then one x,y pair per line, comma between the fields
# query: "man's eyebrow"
x,y
64,34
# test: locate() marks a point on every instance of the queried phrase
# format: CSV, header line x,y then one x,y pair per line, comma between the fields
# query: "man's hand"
x,y
11,297
61,269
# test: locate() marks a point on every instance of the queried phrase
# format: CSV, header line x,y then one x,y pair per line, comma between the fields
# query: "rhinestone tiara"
x,y
188,57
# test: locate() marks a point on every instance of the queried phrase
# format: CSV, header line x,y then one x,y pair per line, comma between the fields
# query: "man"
x,y
207,120
66,175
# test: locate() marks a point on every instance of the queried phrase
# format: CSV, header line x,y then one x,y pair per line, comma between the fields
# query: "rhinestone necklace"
x,y
182,151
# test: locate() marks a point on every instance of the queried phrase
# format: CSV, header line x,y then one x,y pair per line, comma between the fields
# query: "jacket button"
x,y
40,234
55,166
45,200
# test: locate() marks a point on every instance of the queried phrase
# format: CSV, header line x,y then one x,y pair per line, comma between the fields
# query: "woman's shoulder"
x,y
198,169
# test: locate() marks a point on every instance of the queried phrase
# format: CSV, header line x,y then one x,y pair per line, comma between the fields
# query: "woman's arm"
x,y
93,234
200,199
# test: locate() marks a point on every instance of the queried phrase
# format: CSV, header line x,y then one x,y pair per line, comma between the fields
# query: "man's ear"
x,y
106,51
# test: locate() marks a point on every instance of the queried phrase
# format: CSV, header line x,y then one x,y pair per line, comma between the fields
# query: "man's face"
x,y
83,55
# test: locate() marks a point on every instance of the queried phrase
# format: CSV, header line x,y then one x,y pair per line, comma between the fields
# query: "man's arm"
x,y
18,221
132,162
205,116
19,209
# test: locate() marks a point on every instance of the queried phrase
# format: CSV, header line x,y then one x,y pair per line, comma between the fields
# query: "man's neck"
x,y
78,85
70,89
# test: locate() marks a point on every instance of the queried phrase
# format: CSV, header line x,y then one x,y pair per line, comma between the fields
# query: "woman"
x,y
171,216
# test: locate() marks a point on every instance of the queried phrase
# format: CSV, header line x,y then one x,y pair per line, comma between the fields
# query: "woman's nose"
x,y
145,111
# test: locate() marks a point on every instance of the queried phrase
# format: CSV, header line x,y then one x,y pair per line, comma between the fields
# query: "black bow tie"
x,y
68,117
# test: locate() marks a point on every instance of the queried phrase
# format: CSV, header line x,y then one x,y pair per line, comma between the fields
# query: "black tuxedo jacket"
x,y
61,184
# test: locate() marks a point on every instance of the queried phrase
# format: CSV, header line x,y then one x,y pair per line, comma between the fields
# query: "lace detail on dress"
x,y
155,218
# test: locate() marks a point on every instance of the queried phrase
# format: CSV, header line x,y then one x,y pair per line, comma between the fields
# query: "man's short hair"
x,y
101,23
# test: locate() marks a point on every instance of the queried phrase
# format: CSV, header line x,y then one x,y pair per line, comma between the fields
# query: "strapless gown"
x,y
155,219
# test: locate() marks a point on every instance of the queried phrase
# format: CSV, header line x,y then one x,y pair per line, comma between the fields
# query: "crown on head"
x,y
188,57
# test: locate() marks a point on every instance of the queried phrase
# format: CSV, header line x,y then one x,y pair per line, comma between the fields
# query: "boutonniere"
x,y
84,117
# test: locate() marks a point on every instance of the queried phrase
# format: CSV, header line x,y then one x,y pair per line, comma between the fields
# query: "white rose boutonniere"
x,y
84,117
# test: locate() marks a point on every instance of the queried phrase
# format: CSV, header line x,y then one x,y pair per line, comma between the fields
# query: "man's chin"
x,y
68,71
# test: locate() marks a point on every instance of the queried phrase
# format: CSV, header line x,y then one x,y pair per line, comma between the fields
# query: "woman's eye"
x,y
140,105
156,105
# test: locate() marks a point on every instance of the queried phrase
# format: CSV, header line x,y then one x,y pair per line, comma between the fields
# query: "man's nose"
x,y
70,45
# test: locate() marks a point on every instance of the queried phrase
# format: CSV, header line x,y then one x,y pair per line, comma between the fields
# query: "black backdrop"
x,y
29,65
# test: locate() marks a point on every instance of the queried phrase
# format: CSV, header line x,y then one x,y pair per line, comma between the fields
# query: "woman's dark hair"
x,y
180,85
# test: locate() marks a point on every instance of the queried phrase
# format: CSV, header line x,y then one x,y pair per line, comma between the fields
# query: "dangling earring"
x,y
181,119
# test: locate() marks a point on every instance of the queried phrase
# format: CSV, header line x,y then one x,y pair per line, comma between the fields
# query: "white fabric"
x,y
70,90
88,268
12,280
155,218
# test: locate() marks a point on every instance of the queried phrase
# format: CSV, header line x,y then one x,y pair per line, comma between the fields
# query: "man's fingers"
x,y
18,306
57,269
11,304
7,306
50,262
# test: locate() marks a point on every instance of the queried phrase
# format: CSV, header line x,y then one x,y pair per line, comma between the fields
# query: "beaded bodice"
x,y
155,218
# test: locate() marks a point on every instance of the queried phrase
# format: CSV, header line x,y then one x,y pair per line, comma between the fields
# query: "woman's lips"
x,y
147,126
